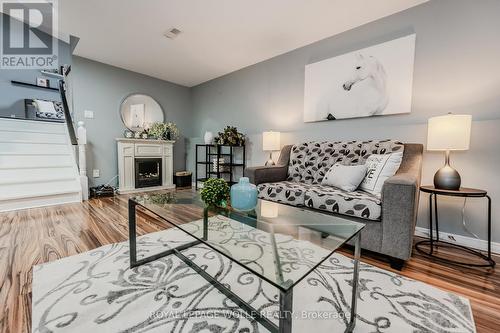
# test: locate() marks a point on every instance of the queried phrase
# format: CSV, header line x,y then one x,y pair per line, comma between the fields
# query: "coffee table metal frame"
x,y
286,294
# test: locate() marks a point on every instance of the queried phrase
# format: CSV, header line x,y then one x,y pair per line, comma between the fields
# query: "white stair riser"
x,y
49,200
33,149
35,126
38,189
9,176
37,165
31,137
24,161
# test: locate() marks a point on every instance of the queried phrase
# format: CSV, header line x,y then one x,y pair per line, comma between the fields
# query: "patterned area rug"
x,y
96,291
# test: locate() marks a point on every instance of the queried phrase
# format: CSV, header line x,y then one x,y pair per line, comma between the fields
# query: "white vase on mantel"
x,y
209,137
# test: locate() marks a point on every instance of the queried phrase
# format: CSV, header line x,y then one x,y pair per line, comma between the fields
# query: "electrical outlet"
x,y
96,173
88,114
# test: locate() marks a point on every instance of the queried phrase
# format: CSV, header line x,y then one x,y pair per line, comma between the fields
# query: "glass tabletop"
x,y
279,243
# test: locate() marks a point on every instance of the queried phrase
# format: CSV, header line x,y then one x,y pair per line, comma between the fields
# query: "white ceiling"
x,y
218,36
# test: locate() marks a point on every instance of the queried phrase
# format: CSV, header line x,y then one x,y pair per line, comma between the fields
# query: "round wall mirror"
x,y
139,111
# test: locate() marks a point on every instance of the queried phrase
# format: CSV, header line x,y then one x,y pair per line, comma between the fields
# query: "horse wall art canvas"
x,y
376,80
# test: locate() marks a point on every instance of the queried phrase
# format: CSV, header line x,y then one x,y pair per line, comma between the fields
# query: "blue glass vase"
x,y
244,195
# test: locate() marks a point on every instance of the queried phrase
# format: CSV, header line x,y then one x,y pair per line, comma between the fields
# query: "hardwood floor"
x,y
34,236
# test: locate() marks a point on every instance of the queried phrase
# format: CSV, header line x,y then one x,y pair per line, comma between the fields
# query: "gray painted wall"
x,y
456,70
101,88
12,96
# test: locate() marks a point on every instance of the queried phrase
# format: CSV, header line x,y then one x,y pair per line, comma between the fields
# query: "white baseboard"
x,y
471,242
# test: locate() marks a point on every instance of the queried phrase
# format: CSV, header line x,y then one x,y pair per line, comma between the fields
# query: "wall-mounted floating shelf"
x,y
31,85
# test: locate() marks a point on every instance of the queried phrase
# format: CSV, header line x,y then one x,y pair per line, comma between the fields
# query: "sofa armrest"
x,y
399,212
267,174
273,173
400,196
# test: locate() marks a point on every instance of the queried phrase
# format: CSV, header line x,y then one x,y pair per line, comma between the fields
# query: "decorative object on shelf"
x,y
219,164
435,242
164,131
136,115
208,138
211,155
144,135
215,192
137,135
375,80
139,110
243,195
42,82
270,143
230,137
446,133
128,134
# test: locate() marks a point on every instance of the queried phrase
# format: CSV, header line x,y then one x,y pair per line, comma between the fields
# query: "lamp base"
x,y
447,178
270,161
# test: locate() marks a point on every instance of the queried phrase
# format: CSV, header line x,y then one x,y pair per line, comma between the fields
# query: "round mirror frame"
x,y
135,129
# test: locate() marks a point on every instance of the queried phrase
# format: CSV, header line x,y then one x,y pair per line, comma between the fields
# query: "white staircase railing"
x,y
82,159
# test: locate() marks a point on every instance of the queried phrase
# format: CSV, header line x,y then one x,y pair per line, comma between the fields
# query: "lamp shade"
x,y
450,132
270,141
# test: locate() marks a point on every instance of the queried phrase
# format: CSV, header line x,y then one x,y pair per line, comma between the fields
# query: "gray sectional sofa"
x,y
390,219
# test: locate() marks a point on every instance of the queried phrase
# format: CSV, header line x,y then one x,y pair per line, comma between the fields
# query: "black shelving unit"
x,y
204,158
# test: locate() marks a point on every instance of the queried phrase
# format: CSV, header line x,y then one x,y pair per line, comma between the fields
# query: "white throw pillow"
x,y
345,177
380,168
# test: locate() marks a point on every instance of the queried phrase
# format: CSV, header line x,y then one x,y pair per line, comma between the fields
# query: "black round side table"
x,y
465,193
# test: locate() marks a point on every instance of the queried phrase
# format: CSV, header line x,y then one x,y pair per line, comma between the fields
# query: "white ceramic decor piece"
x,y
376,80
209,137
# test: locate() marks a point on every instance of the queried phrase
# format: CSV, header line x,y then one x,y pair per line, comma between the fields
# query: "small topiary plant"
x,y
215,192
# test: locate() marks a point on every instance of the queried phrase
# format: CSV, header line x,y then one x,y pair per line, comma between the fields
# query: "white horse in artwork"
x,y
363,94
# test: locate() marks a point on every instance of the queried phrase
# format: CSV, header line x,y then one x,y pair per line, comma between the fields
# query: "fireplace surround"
x,y
144,165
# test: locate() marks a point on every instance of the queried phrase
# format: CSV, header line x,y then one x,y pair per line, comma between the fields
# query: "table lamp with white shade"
x,y
447,133
270,143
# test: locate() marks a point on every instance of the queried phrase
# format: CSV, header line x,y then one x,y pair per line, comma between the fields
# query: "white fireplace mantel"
x,y
130,149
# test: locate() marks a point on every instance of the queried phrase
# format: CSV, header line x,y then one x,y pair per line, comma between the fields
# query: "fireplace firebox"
x,y
148,172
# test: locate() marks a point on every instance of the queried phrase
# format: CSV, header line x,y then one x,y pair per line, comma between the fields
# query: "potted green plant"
x,y
230,136
215,192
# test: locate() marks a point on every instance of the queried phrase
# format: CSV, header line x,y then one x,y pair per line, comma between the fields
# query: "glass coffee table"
x,y
276,230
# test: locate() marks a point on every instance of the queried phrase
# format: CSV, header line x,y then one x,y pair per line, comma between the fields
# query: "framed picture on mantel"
x,y
376,80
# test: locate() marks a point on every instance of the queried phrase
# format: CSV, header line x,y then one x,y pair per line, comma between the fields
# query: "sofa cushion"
x,y
310,161
291,193
331,199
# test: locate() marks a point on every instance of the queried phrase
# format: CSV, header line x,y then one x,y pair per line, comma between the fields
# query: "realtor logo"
x,y
28,30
